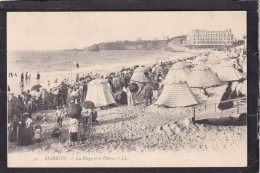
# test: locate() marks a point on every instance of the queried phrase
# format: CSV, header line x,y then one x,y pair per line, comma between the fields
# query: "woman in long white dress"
x,y
130,98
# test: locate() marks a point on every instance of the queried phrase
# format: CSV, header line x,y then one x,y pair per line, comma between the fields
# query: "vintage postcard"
x,y
127,89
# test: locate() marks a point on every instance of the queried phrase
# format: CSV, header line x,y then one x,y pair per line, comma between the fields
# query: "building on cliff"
x,y
219,40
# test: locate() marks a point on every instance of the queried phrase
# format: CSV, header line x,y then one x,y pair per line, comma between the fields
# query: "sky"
x,y
69,30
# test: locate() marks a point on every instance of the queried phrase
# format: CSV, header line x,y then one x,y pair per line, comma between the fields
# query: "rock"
x,y
158,128
172,126
167,130
177,130
184,123
201,127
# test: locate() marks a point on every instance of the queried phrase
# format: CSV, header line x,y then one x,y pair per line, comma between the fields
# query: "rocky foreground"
x,y
143,129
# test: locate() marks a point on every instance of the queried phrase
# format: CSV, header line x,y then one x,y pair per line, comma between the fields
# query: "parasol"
x,y
136,66
74,111
112,74
87,105
133,87
35,87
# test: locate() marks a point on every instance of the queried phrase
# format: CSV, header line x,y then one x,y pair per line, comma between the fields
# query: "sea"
x,y
63,60
53,65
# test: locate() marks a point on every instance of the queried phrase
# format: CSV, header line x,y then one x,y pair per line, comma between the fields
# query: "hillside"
x,y
168,44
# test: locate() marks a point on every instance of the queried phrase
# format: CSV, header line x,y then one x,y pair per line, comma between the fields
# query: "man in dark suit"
x,y
148,95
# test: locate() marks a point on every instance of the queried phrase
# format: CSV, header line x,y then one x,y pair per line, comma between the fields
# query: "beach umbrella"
x,y
112,74
87,105
74,111
136,66
35,87
133,87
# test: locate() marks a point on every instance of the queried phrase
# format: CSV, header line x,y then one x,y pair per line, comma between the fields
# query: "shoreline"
x,y
105,69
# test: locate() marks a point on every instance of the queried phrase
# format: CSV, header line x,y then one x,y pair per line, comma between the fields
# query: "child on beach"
x,y
65,113
59,116
73,130
38,133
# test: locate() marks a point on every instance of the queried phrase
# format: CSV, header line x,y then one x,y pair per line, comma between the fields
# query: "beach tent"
x,y
213,59
176,95
244,67
200,59
223,56
142,81
140,69
242,87
176,92
99,93
176,74
202,77
227,72
157,68
138,76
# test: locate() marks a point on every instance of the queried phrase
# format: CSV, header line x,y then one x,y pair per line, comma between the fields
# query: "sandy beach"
x,y
141,131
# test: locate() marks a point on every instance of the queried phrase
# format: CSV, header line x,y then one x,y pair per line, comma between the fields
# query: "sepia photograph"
x,y
127,89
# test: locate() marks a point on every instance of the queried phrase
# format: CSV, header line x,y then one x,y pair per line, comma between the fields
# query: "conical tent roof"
x,y
176,95
99,93
139,77
243,88
176,74
157,68
222,56
200,59
227,73
202,76
227,63
213,56
139,70
213,59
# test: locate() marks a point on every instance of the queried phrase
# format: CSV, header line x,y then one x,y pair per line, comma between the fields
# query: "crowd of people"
x,y
20,108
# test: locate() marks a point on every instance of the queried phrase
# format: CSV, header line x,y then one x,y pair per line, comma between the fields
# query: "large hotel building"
x,y
209,39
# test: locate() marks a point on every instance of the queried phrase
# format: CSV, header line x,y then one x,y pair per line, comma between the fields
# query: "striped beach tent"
x,y
99,93
176,95
176,74
176,92
227,72
202,77
213,59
